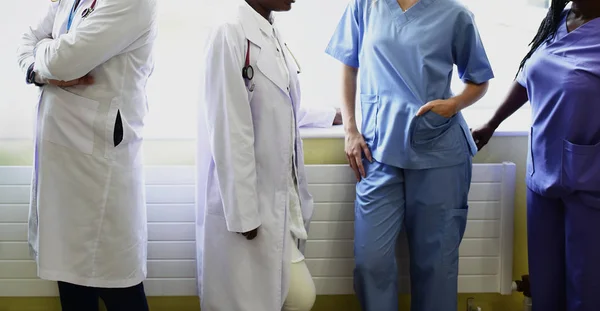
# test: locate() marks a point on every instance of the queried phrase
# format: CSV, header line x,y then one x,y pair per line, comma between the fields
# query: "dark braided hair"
x,y
547,29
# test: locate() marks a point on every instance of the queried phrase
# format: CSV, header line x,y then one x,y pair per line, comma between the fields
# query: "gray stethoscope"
x,y
248,70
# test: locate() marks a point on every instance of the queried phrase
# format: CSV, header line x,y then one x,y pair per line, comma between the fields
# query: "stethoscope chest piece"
x,y
248,72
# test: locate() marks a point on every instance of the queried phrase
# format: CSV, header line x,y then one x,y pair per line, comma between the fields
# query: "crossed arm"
x,y
67,59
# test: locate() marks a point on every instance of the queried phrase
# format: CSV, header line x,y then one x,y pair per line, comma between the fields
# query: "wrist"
x,y
456,103
350,128
349,122
494,123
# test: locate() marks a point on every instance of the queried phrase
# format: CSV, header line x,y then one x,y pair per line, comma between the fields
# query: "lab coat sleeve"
x,y
109,30
34,34
230,129
346,40
468,51
316,116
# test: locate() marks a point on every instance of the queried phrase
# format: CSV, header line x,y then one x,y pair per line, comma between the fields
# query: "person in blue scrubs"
x,y
560,77
412,158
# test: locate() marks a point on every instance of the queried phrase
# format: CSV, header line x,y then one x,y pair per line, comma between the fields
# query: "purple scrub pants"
x,y
564,252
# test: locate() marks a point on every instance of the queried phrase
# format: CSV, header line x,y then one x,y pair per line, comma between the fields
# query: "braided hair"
x,y
547,29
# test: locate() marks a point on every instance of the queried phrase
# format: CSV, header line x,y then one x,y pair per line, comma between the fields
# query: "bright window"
x,y
506,27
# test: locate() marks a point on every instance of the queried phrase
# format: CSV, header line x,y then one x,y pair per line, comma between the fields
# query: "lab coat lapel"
x,y
293,69
266,59
267,64
65,11
62,18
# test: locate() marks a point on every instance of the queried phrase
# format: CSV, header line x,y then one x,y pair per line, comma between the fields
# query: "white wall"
x,y
506,27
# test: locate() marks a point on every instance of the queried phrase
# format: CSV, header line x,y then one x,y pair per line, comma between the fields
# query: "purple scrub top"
x,y
563,83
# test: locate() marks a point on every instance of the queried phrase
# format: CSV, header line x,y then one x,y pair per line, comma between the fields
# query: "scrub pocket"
x,y
69,120
530,157
456,224
580,167
433,132
369,106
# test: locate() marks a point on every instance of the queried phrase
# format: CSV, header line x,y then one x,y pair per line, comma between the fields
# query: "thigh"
x,y
436,213
302,293
546,251
379,210
76,297
582,226
125,299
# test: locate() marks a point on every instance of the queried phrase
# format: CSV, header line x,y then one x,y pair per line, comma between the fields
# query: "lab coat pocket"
x,y
433,132
69,119
369,106
580,167
118,130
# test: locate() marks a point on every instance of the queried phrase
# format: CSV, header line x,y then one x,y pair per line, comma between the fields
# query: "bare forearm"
x,y
516,98
470,95
349,98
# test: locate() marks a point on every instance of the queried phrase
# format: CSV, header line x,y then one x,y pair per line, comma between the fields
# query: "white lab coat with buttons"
x,y
88,218
243,162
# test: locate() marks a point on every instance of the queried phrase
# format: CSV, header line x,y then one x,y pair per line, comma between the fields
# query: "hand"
x,y
444,107
338,117
250,235
85,80
355,148
482,135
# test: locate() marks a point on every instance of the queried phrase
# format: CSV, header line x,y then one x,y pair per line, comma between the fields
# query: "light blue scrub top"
x,y
406,60
562,79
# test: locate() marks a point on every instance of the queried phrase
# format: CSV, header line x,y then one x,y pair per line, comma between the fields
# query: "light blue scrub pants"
x,y
432,204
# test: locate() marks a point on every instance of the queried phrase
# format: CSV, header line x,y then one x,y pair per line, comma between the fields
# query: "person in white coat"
x,y
254,207
87,226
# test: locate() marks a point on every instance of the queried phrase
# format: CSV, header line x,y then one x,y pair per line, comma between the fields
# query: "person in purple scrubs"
x,y
560,77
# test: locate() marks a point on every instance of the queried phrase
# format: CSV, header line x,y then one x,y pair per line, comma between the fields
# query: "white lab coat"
x,y
88,217
243,165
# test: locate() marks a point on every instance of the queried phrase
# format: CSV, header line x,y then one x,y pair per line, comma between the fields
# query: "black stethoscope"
x,y
248,70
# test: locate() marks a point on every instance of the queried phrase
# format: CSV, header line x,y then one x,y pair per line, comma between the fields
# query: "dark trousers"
x,y
563,251
82,298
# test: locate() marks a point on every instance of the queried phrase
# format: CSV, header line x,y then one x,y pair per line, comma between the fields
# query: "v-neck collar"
x,y
565,25
584,33
414,11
